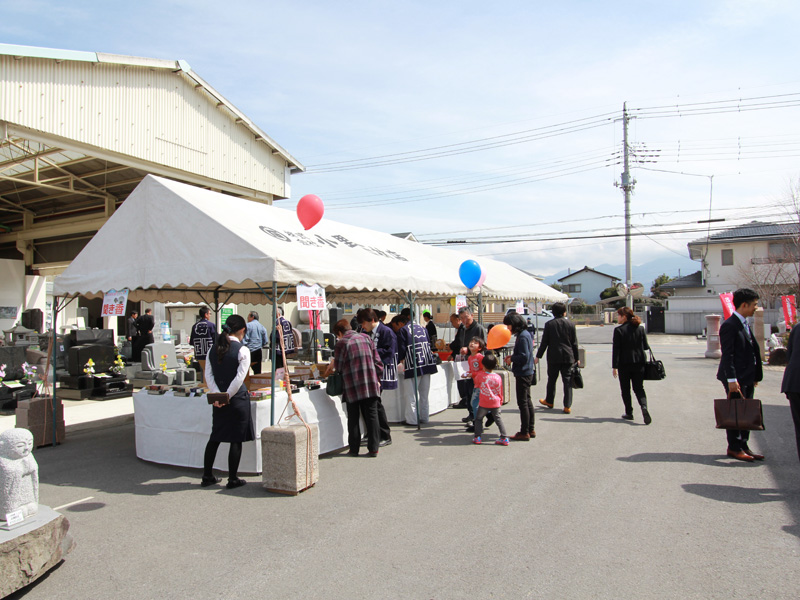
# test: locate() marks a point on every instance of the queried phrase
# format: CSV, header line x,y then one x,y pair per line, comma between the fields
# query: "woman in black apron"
x,y
227,365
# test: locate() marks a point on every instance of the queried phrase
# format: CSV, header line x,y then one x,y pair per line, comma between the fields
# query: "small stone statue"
x,y
19,474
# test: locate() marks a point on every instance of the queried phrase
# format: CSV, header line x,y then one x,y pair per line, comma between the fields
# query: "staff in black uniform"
x,y
628,360
227,364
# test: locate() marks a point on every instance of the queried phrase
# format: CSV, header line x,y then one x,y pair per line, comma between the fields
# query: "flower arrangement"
x,y
119,366
163,363
187,360
29,370
89,367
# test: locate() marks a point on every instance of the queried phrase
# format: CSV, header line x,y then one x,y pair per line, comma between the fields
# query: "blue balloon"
x,y
470,273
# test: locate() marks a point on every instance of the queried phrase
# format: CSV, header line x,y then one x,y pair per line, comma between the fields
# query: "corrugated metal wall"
x,y
155,115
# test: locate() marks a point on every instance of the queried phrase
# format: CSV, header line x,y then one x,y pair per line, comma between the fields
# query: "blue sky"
x,y
350,81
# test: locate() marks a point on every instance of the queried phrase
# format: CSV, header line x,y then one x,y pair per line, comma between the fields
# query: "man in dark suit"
x,y
145,325
561,342
740,365
791,381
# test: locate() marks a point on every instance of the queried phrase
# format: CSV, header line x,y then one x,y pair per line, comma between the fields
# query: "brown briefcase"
x,y
739,413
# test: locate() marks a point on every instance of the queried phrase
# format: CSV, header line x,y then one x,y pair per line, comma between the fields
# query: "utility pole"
x,y
627,184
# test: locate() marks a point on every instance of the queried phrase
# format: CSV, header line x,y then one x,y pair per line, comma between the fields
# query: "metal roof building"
x,y
80,130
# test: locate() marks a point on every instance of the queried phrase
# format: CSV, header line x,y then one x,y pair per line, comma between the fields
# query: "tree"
x,y
609,292
557,287
655,290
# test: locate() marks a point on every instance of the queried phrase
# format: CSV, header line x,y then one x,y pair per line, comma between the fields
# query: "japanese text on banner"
x,y
114,303
310,297
789,309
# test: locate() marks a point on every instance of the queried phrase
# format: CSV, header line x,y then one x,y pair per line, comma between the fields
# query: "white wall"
x,y
591,285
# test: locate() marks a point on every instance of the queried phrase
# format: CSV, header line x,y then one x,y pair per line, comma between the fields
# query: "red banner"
x,y
789,310
727,304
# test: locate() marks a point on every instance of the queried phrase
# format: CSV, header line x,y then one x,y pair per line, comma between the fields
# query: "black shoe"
x,y
647,418
385,443
205,482
351,453
627,417
489,421
466,419
372,454
461,404
235,483
470,428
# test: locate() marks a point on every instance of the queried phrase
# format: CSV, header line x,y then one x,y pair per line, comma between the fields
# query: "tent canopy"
x,y
174,242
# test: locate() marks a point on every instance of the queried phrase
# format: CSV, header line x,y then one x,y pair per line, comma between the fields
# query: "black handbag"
x,y
654,369
576,378
334,385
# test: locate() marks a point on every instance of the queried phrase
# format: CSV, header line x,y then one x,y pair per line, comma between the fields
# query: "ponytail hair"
x,y
232,324
628,313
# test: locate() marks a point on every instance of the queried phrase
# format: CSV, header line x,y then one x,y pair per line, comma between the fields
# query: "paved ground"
x,y
594,507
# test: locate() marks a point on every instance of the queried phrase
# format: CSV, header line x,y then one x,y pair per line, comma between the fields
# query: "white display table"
x,y
174,430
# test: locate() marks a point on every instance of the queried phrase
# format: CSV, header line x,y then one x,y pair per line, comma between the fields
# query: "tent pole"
x,y
216,310
480,306
272,353
414,359
55,367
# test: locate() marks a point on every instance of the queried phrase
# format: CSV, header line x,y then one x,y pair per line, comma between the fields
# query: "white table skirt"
x,y
174,430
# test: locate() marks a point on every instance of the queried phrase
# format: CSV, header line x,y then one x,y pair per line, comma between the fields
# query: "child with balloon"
x,y
490,386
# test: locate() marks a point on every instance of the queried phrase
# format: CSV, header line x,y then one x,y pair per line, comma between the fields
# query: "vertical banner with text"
x,y
789,304
461,302
727,304
114,303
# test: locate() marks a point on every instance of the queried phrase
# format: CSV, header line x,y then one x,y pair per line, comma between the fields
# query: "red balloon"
x,y
310,210
498,337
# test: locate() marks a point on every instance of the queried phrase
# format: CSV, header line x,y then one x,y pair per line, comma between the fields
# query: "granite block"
x,y
287,467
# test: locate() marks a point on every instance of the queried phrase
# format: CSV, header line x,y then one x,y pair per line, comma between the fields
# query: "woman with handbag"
x,y
628,360
227,365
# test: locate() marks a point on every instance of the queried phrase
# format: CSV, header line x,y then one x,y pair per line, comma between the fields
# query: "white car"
x,y
537,319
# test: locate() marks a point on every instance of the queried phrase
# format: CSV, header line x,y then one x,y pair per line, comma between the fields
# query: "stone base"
x,y
30,550
285,467
36,415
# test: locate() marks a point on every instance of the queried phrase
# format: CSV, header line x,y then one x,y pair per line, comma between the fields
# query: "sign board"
x,y
310,297
520,307
789,304
224,313
727,304
114,303
461,302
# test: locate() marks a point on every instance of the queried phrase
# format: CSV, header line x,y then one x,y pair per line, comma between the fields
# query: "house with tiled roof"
x,y
753,255
758,255
587,284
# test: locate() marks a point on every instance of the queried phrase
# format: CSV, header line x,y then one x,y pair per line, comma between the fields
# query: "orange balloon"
x,y
498,337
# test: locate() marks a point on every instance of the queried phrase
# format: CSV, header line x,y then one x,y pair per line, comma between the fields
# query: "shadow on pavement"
x,y
734,493
701,459
586,420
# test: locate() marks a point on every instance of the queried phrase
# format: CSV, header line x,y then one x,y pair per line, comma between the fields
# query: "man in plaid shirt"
x,y
356,358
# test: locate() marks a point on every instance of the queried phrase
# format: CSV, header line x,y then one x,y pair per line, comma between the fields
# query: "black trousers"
x,y
255,361
367,408
526,414
632,374
738,438
383,423
794,403
553,370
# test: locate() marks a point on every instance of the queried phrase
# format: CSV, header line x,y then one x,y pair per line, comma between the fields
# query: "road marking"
x,y
72,503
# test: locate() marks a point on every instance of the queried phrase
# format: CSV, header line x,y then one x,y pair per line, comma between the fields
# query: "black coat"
x,y
741,359
629,344
560,341
791,376
145,324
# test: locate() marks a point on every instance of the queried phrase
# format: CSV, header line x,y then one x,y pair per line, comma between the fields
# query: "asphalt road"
x,y
594,507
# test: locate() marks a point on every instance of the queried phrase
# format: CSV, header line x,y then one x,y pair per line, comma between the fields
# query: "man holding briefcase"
x,y
740,365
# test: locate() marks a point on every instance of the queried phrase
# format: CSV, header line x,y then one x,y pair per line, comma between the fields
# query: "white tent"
x,y
174,242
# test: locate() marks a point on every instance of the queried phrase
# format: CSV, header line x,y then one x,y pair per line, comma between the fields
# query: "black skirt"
x,y
234,422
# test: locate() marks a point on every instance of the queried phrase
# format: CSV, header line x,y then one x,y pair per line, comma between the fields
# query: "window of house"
x,y
727,258
783,251
573,288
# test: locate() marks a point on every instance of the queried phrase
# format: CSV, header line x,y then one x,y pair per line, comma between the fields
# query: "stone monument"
x,y
19,474
33,538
